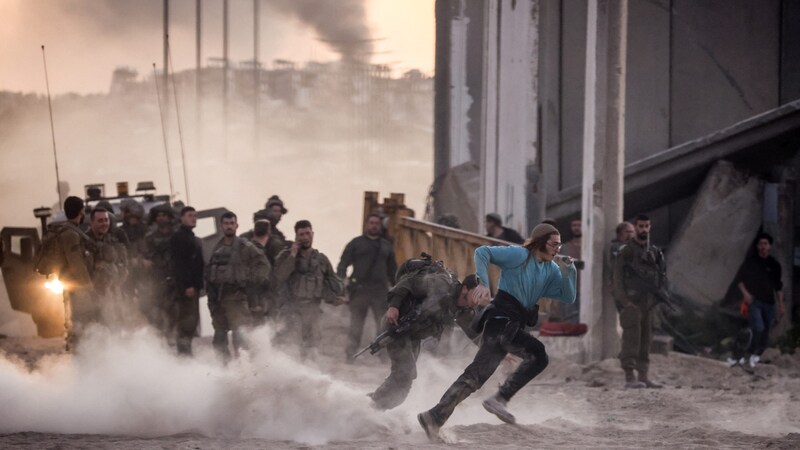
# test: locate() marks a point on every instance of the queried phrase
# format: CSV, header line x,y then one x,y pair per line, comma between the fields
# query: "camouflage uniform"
x,y
639,272
109,273
259,295
159,287
308,281
231,271
433,290
80,307
135,248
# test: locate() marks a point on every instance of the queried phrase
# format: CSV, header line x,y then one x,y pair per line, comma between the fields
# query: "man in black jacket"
x,y
495,229
374,266
187,269
759,280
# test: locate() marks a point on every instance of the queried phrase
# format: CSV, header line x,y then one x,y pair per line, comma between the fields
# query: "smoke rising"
x,y
342,24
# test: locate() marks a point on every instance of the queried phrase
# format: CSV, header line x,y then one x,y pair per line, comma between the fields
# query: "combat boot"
x,y
646,381
496,405
630,381
430,426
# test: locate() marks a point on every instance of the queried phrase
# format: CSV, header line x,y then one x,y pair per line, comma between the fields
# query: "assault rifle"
x,y
403,326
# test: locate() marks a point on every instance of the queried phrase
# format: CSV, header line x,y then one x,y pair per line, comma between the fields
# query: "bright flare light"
x,y
54,286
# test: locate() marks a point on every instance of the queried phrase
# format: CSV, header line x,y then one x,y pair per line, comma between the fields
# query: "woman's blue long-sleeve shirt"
x,y
527,280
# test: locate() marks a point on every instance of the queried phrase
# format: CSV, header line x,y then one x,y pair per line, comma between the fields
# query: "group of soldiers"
x,y
117,269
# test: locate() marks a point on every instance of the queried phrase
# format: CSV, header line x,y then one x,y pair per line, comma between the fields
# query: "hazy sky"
x,y
87,39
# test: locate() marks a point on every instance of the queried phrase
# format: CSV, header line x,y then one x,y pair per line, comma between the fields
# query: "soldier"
x,y
495,229
160,285
110,268
80,309
187,272
261,300
374,266
639,273
135,231
527,274
277,240
436,298
624,234
309,279
261,214
235,266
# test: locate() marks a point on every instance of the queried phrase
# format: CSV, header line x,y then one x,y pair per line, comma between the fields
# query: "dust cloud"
x,y
130,383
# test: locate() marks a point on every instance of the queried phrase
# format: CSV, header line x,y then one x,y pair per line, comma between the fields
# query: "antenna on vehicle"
x,y
163,133
180,131
52,129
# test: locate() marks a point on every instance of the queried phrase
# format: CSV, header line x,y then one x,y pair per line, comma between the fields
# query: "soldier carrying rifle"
x,y
426,297
640,282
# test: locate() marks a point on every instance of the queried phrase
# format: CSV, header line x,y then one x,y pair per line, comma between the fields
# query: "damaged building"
x,y
704,101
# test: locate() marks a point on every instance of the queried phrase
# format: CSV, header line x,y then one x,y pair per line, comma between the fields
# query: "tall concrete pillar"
x,y
603,163
510,103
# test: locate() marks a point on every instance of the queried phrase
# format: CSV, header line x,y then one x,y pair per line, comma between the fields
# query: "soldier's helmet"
x,y
162,208
275,200
262,214
131,207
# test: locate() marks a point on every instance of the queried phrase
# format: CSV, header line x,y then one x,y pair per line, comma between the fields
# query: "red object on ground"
x,y
744,309
563,329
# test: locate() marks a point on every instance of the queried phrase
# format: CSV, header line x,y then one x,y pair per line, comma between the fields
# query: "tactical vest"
x,y
645,269
109,262
159,252
308,279
225,266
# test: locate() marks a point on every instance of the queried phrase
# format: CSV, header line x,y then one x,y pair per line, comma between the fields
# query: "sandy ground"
x,y
128,391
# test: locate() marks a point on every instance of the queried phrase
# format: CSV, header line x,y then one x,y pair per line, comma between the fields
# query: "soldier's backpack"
x,y
50,256
424,263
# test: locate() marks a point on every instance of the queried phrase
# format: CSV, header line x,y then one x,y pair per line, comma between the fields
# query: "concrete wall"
x,y
647,115
511,113
459,109
725,64
573,85
461,94
549,95
790,50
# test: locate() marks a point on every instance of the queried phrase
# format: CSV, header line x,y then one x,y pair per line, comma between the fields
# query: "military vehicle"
x,y
31,293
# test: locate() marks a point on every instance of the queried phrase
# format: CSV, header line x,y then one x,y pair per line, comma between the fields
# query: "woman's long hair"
x,y
539,243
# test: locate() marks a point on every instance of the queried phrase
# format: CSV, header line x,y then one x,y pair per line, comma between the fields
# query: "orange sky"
x,y
82,53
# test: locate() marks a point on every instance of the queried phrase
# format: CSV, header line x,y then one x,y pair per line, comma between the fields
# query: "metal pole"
x,y
256,74
198,97
164,134
166,43
180,131
225,74
52,129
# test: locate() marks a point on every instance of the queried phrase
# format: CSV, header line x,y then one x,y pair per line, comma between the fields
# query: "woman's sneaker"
x,y
497,406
